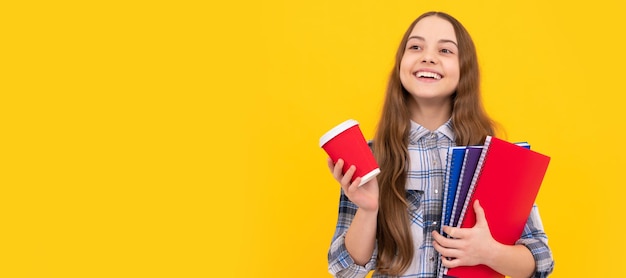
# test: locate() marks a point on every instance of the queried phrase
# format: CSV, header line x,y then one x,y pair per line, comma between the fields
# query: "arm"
x,y
361,236
512,260
535,239
476,246
340,259
353,250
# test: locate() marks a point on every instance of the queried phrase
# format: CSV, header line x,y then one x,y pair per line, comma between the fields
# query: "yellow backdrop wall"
x,y
179,138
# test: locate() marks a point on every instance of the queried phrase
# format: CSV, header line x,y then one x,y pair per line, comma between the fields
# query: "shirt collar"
x,y
417,131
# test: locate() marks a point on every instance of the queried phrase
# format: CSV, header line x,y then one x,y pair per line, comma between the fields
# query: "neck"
x,y
431,115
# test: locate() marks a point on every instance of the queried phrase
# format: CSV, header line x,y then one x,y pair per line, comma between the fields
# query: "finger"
x,y
444,241
348,175
450,231
450,262
331,164
354,186
437,236
440,249
445,251
454,232
448,256
337,169
480,214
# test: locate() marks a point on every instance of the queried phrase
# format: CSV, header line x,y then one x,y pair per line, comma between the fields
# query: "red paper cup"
x,y
346,141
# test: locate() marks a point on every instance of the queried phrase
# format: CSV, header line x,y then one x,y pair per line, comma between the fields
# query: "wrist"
x,y
494,252
368,212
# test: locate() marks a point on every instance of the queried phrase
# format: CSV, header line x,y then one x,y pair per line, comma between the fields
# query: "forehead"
x,y
434,28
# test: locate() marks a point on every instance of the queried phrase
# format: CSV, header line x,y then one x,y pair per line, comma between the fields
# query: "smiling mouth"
x,y
428,74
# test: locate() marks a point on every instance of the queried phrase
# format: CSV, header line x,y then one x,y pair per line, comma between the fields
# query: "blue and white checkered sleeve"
x,y
535,239
340,264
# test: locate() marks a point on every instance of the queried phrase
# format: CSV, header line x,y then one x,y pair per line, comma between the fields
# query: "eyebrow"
x,y
440,41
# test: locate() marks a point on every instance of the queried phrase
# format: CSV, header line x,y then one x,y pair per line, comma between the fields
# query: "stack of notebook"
x,y
505,177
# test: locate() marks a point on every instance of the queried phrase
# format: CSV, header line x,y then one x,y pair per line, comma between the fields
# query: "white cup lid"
x,y
369,176
336,131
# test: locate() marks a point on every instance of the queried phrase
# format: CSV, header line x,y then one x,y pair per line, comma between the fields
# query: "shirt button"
x,y
436,191
432,259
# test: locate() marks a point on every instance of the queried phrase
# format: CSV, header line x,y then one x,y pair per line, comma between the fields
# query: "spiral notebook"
x,y
453,173
506,181
460,169
470,163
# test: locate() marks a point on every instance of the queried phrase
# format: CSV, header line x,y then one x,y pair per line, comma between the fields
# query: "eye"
x,y
414,47
446,51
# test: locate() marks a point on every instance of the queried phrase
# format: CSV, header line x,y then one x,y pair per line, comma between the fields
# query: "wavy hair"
x,y
470,123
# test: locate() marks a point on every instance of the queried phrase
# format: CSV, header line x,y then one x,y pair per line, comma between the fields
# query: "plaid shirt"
x,y
424,192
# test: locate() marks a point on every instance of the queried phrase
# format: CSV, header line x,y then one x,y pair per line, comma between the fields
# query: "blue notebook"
x,y
472,154
455,164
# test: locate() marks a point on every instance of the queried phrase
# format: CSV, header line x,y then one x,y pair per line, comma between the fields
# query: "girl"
x,y
390,224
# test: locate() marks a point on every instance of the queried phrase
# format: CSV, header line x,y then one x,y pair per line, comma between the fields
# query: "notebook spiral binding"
x,y
481,160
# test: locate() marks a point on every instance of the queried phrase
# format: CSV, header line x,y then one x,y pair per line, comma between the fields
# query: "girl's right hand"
x,y
365,196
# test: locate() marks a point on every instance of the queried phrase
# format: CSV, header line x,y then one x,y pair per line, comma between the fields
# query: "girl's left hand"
x,y
468,246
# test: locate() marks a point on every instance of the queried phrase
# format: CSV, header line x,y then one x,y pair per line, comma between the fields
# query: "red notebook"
x,y
507,183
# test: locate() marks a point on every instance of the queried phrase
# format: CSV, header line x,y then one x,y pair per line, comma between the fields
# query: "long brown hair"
x,y
470,124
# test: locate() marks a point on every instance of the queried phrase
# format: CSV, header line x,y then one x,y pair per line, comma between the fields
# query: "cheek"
x,y
405,71
454,71
405,65
405,79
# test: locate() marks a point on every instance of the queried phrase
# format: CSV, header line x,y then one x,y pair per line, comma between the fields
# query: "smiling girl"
x,y
390,224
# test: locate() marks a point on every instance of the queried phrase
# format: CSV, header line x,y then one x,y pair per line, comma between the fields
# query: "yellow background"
x,y
180,138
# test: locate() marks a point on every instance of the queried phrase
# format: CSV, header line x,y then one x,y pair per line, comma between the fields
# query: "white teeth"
x,y
428,74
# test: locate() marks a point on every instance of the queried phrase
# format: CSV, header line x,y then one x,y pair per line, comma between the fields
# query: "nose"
x,y
429,57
